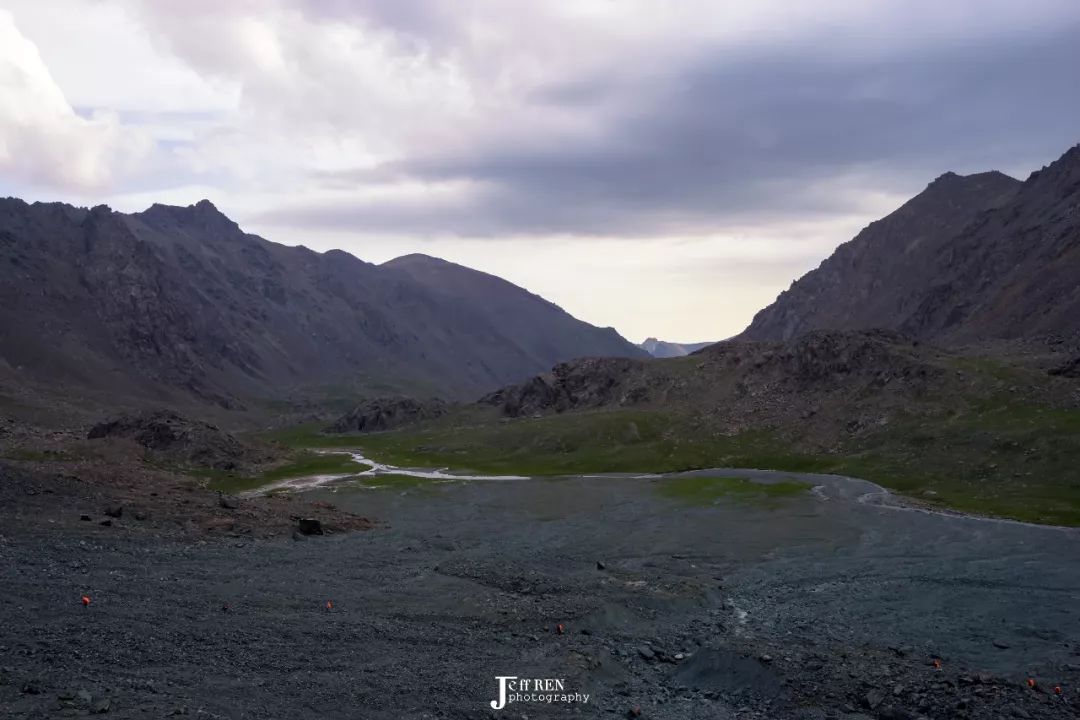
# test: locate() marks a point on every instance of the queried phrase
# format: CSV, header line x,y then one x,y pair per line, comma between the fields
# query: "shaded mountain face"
x,y
663,349
179,301
970,258
533,328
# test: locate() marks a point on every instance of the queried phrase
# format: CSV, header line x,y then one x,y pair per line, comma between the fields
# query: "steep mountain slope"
x,y
179,301
1015,271
883,276
530,324
664,349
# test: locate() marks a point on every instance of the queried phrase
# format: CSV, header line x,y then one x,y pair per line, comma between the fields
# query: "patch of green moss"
x,y
25,455
707,490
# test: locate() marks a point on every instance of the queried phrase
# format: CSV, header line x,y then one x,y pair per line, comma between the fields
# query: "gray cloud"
x,y
728,139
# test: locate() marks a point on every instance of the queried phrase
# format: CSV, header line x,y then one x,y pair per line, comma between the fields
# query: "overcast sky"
x,y
665,168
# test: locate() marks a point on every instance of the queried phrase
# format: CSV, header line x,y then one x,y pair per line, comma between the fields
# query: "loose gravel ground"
x,y
817,606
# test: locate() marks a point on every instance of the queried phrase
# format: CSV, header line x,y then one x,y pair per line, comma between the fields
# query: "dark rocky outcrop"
x,y
181,441
387,413
1069,369
852,381
975,258
824,360
590,382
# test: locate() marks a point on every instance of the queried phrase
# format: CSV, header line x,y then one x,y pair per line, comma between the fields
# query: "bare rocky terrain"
x,y
832,376
975,258
816,606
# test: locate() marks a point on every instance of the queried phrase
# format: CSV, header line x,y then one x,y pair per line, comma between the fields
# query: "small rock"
x,y
114,511
1001,645
228,502
765,658
84,518
634,712
105,523
140,516
646,652
101,706
309,526
31,687
873,699
297,536
600,565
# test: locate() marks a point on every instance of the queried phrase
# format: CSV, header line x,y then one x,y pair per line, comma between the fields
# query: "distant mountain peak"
x,y
663,349
203,214
975,182
417,260
415,257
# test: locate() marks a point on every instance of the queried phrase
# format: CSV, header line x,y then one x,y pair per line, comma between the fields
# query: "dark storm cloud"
x,y
726,141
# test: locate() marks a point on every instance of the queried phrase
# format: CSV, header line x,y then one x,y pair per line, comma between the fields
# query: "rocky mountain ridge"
x,y
178,303
975,258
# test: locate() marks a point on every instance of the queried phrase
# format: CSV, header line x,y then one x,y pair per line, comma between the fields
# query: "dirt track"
x,y
805,608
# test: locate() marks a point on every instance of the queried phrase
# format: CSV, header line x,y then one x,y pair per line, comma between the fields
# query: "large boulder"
x,y
1069,369
387,413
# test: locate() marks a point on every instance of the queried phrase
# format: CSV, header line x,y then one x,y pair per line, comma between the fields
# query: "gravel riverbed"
x,y
814,606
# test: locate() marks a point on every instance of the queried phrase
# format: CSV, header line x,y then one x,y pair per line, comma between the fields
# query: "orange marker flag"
x,y
1031,682
937,664
86,600
1057,689
560,628
329,605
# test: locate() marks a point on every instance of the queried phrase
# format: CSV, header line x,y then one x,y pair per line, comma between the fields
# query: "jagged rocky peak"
x,y
203,215
1064,171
